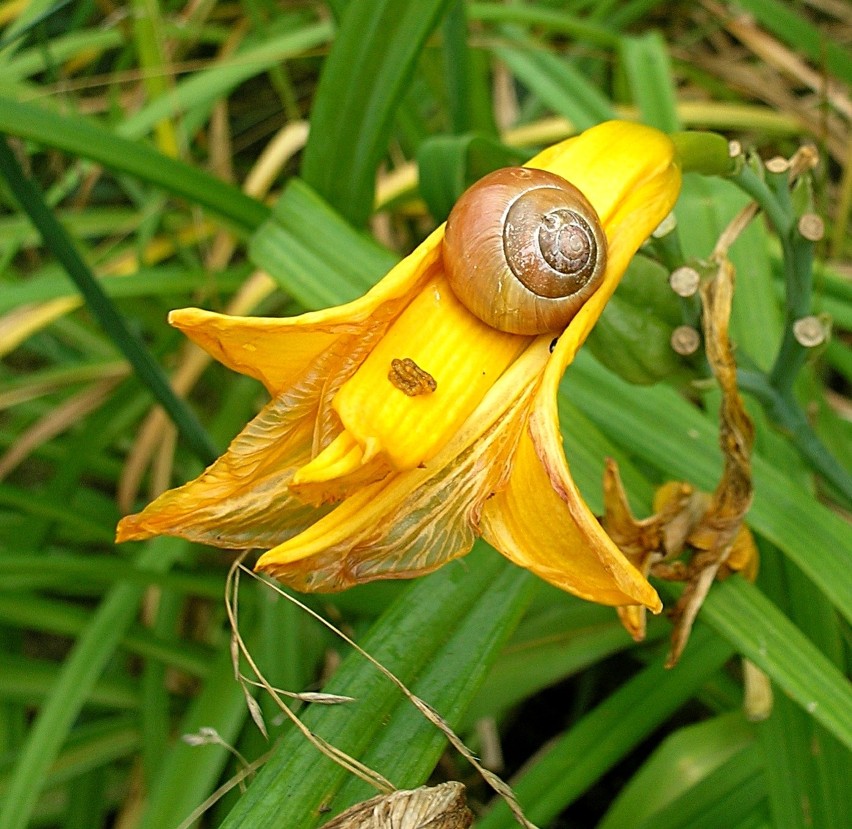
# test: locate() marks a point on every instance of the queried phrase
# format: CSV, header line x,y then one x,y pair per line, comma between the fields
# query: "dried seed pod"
x,y
524,250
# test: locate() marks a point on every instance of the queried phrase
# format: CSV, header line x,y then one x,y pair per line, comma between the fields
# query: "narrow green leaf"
x,y
649,74
557,84
84,138
79,674
695,751
755,626
91,745
314,253
189,772
794,29
606,734
362,82
555,20
449,164
439,638
202,89
807,769
467,78
567,636
167,280
729,794
29,680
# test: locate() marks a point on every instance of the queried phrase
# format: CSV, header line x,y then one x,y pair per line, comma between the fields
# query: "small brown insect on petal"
x,y
410,379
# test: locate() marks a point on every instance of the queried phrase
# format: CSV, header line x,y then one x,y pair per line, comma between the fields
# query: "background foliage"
x,y
168,143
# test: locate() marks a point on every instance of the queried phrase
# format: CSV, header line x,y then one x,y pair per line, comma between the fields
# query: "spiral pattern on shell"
x,y
524,250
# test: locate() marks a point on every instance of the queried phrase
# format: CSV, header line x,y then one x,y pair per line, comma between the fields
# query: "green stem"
x,y
773,196
147,370
783,410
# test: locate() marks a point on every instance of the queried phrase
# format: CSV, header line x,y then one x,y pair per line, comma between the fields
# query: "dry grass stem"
x,y
498,785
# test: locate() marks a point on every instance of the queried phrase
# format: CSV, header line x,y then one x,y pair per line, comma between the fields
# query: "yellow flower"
x,y
345,478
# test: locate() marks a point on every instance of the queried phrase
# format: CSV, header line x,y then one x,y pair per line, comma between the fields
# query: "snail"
x,y
523,250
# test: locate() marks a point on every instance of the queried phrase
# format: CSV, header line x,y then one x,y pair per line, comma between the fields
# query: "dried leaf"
x,y
709,527
429,807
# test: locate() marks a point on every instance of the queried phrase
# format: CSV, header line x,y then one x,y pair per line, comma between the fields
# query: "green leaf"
x,y
314,254
203,89
663,429
78,677
557,83
783,20
467,77
189,772
696,751
362,82
606,734
439,638
84,138
449,164
760,631
649,74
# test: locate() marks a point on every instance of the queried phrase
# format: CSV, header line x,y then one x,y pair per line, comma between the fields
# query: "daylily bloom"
x,y
345,478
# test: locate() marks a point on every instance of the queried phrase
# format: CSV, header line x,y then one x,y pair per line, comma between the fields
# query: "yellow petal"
x,y
630,175
415,521
242,500
555,535
464,357
276,351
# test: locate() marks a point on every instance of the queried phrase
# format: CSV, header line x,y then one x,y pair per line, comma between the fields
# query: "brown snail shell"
x,y
524,250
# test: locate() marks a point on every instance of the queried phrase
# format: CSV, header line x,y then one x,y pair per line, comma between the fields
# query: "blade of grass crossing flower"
x,y
666,431
362,82
84,138
314,253
602,737
147,370
645,59
556,83
439,638
93,648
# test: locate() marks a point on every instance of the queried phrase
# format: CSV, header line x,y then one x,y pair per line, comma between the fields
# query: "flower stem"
x,y
787,415
59,243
